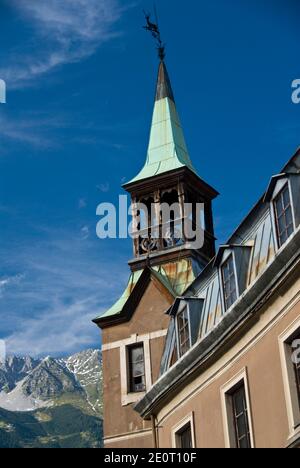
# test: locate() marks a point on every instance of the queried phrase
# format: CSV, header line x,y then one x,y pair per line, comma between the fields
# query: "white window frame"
x,y
181,309
288,373
190,419
127,397
226,389
224,261
277,190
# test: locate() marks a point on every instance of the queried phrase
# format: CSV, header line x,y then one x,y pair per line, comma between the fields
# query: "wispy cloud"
x,y
53,131
10,281
27,131
66,283
70,30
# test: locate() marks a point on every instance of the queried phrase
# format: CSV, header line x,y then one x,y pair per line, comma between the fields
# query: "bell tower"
x,y
167,178
166,195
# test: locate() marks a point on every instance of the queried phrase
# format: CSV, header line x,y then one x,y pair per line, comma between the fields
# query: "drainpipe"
x,y
154,431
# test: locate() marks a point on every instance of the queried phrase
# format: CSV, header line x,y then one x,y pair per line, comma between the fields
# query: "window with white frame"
x,y
229,282
183,435
237,412
240,417
283,215
136,364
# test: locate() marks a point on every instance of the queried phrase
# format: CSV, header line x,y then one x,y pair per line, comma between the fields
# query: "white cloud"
x,y
62,330
49,310
25,131
66,31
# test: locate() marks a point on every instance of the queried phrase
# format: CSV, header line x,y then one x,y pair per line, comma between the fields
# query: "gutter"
x,y
207,350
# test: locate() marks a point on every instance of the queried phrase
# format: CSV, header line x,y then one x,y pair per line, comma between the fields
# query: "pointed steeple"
x,y
167,150
164,87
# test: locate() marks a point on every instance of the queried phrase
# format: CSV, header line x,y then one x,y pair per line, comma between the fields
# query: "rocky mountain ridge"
x,y
27,384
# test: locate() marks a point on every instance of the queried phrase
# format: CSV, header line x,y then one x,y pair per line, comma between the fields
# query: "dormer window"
x,y
229,282
283,215
183,332
183,327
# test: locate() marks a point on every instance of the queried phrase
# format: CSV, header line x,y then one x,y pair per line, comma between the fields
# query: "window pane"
x,y
241,425
229,282
185,438
279,205
136,369
240,417
137,354
244,443
290,230
183,332
281,224
283,215
289,216
239,402
286,197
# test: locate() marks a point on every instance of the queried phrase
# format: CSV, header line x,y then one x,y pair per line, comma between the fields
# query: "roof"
x,y
255,249
175,277
260,272
117,308
167,150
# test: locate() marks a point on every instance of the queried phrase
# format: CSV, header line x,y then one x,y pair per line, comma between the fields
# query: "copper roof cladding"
x,y
175,277
164,87
254,248
167,149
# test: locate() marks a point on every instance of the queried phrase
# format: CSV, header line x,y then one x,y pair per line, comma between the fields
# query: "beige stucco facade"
x,y
123,427
258,357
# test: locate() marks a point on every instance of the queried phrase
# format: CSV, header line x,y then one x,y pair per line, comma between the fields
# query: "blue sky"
x,y
80,78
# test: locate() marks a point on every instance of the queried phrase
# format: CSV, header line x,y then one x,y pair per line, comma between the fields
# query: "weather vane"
x,y
155,31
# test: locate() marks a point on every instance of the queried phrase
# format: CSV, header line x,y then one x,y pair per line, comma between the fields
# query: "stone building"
x,y
201,349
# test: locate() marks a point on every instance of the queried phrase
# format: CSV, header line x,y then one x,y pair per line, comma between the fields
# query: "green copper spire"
x,y
167,149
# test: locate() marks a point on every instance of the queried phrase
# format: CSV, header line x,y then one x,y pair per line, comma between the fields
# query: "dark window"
x,y
283,215
184,438
137,369
297,367
229,282
183,332
240,418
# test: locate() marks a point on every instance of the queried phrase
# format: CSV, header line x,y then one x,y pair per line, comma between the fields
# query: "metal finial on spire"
x,y
153,28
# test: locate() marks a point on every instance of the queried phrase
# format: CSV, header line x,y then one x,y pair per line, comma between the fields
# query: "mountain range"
x,y
51,402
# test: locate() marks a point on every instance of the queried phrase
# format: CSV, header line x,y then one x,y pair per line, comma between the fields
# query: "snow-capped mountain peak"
x,y
27,384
